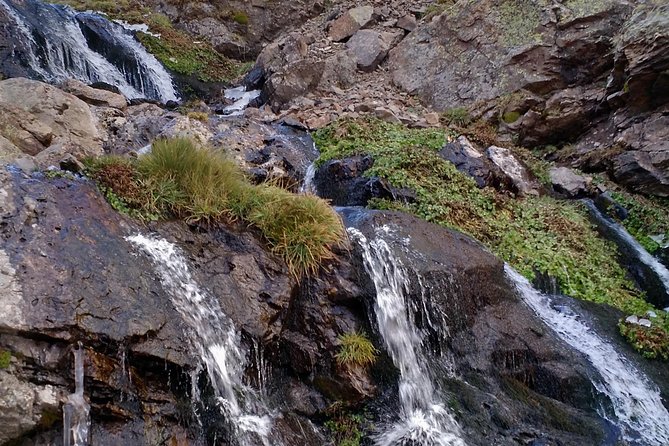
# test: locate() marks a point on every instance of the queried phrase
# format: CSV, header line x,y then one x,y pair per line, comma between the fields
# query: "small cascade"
x,y
58,43
424,420
637,254
76,419
643,419
217,342
242,100
308,186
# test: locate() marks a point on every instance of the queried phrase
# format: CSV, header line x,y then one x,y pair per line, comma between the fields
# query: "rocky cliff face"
x,y
551,72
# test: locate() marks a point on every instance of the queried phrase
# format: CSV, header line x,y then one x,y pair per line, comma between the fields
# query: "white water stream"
x,y
636,401
214,336
424,420
630,242
76,417
63,52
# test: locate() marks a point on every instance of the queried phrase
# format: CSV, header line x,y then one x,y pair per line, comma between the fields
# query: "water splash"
x,y
55,47
424,420
214,336
242,100
636,400
76,411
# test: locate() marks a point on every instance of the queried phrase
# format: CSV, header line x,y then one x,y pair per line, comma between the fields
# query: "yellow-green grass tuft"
x,y
179,178
356,349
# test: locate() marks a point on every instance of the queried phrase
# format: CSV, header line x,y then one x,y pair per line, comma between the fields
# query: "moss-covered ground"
x,y
533,234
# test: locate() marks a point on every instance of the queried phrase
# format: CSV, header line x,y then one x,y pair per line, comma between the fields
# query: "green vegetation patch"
x,y
356,349
5,359
534,234
345,428
651,342
179,179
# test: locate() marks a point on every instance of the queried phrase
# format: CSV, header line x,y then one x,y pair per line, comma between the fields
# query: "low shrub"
x,y
180,179
651,342
356,350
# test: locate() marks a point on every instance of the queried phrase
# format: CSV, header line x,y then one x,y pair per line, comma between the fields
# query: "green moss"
x,y
518,21
585,8
510,117
240,17
532,234
5,359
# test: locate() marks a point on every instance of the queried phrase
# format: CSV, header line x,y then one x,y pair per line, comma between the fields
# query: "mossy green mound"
x,y
179,179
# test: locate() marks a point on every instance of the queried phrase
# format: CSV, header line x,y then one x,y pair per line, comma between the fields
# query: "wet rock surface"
x,y
513,368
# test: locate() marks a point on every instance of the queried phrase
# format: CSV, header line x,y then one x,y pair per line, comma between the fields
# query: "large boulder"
x,y
350,22
94,96
37,116
369,47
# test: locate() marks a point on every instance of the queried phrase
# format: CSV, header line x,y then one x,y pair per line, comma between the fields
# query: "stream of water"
x,y
216,340
643,419
424,419
76,411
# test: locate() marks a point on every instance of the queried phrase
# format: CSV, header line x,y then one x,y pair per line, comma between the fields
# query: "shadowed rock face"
x,y
69,275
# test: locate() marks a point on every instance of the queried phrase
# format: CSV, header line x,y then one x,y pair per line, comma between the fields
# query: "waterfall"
x,y
216,340
58,43
424,420
636,400
308,186
631,247
76,420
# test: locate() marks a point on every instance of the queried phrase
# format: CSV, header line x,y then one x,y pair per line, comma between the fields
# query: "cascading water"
x,y
58,43
242,100
636,400
214,336
76,419
632,248
308,186
424,420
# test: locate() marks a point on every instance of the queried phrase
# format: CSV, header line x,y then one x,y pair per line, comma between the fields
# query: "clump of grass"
x,y
534,234
356,350
180,179
458,116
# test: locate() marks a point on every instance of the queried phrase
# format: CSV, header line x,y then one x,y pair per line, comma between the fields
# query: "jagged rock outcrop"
x,y
549,71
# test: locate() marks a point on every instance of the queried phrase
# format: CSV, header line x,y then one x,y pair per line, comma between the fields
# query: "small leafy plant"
x,y
651,342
